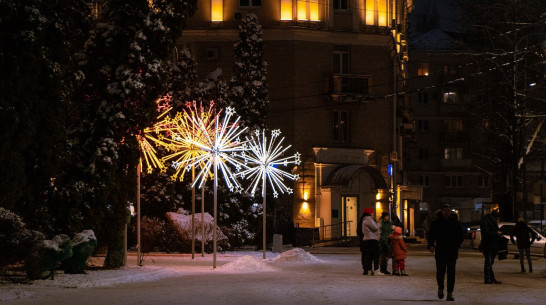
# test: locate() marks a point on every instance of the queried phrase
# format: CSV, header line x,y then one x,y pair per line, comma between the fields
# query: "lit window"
x,y
422,70
250,2
341,126
302,10
453,153
377,12
286,10
217,10
450,98
308,10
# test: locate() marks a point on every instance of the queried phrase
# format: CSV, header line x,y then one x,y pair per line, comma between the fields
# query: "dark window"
x,y
422,125
250,2
340,4
341,126
422,98
335,214
454,181
423,154
483,182
341,59
424,181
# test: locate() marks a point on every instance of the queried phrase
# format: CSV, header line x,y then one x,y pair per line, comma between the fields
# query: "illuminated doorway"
x,y
349,215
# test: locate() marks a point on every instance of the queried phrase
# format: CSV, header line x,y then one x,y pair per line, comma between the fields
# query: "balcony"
x,y
349,87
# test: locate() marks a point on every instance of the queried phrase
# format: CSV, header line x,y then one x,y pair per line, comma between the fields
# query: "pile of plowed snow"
x,y
297,255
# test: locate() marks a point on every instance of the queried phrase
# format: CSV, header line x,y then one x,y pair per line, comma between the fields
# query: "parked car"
x,y
537,248
538,225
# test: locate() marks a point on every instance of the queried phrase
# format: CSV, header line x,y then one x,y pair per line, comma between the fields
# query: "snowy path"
x,y
329,276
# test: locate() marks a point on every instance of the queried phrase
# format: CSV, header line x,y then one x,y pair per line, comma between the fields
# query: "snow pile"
x,y
182,223
247,263
297,255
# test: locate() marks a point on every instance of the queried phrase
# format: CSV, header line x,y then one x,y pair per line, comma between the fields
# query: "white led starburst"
x,y
262,159
219,149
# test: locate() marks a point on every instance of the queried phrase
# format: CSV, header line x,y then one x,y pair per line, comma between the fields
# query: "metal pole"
x,y
193,214
202,221
215,212
264,186
139,262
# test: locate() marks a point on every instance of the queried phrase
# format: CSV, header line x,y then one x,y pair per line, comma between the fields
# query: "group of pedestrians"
x,y
384,240
379,242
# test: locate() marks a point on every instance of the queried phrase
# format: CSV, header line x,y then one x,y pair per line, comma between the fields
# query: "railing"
x,y
336,231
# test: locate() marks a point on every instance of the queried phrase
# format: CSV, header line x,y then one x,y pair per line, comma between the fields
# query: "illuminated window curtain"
x,y
286,9
217,10
393,11
302,10
370,12
382,12
314,10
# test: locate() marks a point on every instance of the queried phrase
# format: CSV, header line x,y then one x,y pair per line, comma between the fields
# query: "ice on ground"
x,y
246,263
297,255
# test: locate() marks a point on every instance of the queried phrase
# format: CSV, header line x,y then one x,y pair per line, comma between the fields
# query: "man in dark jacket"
x,y
490,244
444,239
525,237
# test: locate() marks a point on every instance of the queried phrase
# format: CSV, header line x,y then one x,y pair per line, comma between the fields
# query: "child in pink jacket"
x,y
399,251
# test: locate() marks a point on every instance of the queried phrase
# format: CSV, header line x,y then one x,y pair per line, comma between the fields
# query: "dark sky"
x,y
435,24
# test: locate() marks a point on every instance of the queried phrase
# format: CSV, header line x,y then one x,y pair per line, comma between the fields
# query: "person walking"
x,y
384,243
525,237
444,240
370,245
490,244
399,252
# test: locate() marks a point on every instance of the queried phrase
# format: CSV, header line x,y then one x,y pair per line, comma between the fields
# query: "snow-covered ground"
x,y
315,276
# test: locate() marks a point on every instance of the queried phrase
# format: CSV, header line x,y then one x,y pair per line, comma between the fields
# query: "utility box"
x,y
277,243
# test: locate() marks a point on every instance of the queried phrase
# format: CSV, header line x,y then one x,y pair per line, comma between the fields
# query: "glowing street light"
x,y
261,165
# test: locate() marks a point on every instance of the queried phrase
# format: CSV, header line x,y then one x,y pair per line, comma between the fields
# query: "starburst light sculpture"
x,y
262,159
221,148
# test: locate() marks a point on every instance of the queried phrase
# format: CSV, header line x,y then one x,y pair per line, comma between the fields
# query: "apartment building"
x,y
335,70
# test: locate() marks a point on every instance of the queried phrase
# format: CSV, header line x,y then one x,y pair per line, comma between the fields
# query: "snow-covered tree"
x,y
248,92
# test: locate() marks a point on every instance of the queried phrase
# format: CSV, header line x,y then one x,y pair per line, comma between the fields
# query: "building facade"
x,y
336,68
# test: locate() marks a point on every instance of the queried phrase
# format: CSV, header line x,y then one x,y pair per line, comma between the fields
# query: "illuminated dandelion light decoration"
x,y
221,148
261,165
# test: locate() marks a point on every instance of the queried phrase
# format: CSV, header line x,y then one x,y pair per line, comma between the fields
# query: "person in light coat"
x,y
370,242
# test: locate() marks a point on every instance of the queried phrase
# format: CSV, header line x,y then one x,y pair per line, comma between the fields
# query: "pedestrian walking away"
x,y
399,252
444,240
491,238
384,242
370,242
525,237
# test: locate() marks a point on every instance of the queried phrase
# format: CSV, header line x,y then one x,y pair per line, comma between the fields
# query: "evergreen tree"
x,y
40,44
248,92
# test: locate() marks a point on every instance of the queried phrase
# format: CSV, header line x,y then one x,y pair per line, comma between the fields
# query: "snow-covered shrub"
x,y
83,245
41,264
16,241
